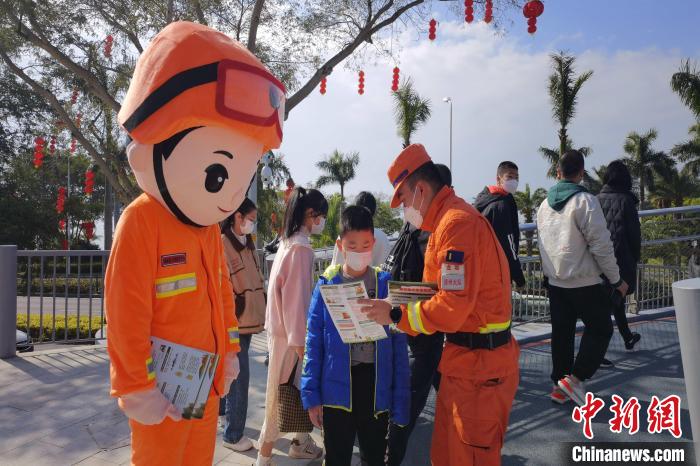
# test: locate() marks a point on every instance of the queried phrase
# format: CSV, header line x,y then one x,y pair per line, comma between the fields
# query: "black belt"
x,y
480,340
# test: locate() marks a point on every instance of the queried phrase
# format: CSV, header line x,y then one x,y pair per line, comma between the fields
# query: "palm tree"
x,y
552,156
596,182
672,187
643,161
686,83
564,87
338,168
528,203
410,110
689,151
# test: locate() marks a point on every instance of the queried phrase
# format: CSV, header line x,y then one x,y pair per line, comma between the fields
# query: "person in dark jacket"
x,y
620,209
497,204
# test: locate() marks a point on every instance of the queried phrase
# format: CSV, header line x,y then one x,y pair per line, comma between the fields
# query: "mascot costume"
x,y
201,111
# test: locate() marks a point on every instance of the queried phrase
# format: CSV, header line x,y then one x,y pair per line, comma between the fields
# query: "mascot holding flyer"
x,y
201,111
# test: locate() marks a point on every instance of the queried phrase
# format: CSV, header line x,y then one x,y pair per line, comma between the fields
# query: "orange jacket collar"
x,y
431,217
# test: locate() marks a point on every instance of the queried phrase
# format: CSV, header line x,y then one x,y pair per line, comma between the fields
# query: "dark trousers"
x,y
235,404
426,351
340,426
593,307
621,322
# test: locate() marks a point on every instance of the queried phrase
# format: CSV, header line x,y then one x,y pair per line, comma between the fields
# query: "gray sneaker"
x,y
307,450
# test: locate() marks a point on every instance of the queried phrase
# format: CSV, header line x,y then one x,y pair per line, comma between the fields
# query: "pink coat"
x,y
289,290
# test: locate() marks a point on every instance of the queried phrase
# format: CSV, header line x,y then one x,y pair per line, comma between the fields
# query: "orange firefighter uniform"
x,y
168,280
201,110
477,387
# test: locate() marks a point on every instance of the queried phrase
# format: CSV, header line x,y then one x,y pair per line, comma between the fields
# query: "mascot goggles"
x,y
244,93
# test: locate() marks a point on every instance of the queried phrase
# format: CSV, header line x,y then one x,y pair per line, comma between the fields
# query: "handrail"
x,y
689,209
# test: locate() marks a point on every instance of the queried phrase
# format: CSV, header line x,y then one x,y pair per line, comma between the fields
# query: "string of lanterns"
x,y
531,10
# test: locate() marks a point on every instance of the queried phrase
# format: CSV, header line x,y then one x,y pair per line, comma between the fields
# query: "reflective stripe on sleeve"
x,y
150,369
414,318
233,336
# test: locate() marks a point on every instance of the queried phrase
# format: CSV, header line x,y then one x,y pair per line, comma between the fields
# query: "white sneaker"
x,y
307,450
574,389
244,444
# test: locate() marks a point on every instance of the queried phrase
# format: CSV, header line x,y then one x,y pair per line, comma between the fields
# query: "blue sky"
x,y
498,82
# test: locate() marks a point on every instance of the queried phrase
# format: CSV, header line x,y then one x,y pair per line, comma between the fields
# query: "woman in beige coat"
x,y
249,296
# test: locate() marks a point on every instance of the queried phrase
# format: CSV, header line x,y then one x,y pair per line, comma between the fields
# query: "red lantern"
x,y
73,144
531,11
89,182
468,11
395,80
89,230
38,151
78,119
361,83
62,224
322,89
432,29
61,201
108,46
488,11
52,145
74,97
65,244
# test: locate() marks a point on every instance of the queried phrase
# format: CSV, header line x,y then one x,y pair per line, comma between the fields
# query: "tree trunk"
x,y
641,192
108,227
562,141
254,22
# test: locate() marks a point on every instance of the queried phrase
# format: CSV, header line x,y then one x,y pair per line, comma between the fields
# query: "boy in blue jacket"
x,y
354,388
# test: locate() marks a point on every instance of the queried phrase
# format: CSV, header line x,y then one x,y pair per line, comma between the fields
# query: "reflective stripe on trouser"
x,y
171,443
471,420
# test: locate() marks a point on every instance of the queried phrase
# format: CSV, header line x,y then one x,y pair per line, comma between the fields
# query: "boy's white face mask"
x,y
358,261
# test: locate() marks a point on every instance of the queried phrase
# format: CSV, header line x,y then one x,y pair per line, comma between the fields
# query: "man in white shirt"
x,y
381,246
577,252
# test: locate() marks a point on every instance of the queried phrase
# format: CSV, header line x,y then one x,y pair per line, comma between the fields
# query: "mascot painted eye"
x,y
216,177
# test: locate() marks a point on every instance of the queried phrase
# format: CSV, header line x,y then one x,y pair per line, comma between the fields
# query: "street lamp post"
x,y
449,101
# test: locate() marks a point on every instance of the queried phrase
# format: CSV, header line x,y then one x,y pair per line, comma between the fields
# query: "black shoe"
x,y
606,363
629,344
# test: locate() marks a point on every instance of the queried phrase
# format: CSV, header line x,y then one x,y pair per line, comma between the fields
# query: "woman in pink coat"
x,y
288,296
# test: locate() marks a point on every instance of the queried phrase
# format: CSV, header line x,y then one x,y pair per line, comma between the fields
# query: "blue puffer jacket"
x,y
326,378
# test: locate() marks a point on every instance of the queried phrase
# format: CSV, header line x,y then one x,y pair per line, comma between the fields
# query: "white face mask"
x,y
510,186
318,229
413,215
358,260
247,227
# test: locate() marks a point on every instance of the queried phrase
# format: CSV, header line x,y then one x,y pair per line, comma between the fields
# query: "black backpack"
x,y
405,261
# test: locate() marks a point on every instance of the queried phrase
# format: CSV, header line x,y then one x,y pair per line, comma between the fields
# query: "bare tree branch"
x,y
117,25
364,35
125,192
170,12
92,82
198,11
254,22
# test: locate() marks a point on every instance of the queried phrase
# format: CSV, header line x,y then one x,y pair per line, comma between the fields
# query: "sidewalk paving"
x,y
55,408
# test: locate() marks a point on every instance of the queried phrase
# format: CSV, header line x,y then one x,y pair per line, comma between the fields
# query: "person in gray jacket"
x,y
578,261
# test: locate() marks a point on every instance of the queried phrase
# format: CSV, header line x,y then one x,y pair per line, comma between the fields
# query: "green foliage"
x,y
672,187
410,110
70,329
386,218
665,227
644,162
689,151
338,168
332,230
686,83
527,203
271,199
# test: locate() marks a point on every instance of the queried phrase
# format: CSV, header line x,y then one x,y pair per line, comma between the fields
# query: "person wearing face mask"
x,y
249,297
479,364
497,204
288,297
354,389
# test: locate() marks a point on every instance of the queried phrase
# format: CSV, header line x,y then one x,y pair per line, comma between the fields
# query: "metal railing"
x,y
59,294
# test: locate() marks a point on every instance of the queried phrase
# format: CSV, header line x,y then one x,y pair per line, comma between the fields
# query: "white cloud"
x,y
501,108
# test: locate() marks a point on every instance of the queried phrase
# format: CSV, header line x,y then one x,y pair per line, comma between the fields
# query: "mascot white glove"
x,y
148,407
